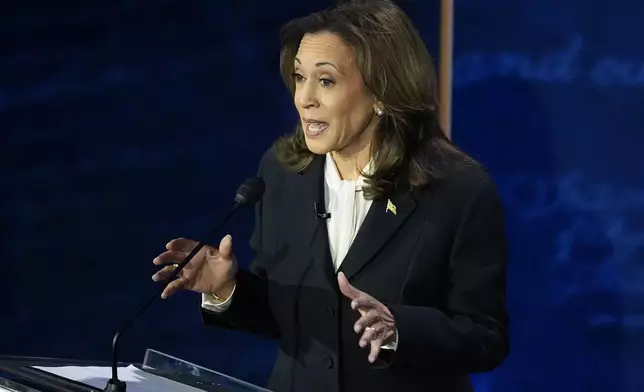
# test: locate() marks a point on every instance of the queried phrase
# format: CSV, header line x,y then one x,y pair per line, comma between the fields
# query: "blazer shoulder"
x,y
464,180
470,176
272,171
269,164
268,159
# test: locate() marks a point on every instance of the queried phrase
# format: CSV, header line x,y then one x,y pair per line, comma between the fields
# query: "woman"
x,y
381,258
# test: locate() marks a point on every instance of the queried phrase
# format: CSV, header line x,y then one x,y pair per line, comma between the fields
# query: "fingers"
x,y
182,244
376,332
164,273
364,303
226,247
375,319
376,346
369,318
170,257
369,335
375,336
173,287
347,289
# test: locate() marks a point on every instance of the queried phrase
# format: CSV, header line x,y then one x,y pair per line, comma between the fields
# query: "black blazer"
x,y
439,264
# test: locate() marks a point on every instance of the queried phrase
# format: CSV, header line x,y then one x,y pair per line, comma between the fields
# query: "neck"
x,y
350,163
355,157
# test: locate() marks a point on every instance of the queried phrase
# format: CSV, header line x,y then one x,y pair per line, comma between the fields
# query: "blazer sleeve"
x,y
249,309
472,334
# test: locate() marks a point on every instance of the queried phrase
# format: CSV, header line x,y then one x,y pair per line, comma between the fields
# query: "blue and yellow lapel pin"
x,y
391,207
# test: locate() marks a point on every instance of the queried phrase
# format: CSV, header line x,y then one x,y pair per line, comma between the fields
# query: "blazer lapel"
x,y
382,221
310,232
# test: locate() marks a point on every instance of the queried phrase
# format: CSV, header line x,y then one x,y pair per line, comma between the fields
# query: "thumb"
x,y
226,246
346,288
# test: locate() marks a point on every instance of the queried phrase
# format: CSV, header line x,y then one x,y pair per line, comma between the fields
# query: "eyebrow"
x,y
321,63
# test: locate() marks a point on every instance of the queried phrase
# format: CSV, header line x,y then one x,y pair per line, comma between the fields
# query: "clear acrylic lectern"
x,y
189,373
159,372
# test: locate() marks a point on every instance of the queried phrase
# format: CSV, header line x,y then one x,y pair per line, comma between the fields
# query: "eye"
x,y
327,82
298,77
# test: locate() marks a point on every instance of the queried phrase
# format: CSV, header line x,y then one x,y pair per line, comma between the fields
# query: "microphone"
x,y
248,193
320,211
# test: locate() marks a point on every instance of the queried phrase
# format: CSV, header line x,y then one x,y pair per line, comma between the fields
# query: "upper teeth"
x,y
316,126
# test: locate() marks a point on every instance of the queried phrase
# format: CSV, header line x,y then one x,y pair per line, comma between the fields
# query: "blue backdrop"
x,y
125,124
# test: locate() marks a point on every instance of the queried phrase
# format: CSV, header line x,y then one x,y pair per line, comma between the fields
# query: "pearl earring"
x,y
379,112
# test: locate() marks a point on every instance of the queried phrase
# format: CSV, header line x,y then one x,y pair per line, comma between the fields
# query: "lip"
x,y
308,122
313,120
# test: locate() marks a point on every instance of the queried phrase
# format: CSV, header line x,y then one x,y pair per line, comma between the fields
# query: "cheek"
x,y
358,117
296,99
351,113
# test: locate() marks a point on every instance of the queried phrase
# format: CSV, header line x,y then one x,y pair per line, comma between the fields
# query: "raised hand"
x,y
211,271
376,320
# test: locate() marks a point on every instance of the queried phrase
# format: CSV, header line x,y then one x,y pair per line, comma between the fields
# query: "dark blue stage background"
x,y
125,124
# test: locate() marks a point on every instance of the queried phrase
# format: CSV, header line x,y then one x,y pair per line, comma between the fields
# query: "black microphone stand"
x,y
116,385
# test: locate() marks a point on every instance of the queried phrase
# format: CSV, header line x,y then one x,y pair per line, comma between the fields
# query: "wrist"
x,y
224,291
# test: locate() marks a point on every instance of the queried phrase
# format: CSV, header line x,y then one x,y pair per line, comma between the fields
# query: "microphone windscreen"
x,y
250,192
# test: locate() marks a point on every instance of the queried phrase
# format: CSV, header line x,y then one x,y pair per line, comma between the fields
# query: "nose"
x,y
306,95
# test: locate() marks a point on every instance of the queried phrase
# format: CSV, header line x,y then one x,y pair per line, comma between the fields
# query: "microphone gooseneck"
x,y
249,193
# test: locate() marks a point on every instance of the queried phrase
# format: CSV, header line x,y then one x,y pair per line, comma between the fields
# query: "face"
x,y
336,110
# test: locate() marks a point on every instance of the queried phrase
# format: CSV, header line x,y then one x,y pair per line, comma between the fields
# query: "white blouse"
x,y
345,201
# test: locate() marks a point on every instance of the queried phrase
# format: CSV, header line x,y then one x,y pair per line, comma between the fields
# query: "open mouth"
x,y
313,128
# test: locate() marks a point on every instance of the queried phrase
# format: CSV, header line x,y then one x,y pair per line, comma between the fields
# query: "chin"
x,y
318,147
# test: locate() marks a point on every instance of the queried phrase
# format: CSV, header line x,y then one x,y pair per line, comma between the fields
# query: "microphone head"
x,y
250,192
